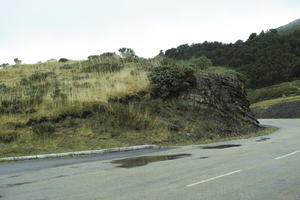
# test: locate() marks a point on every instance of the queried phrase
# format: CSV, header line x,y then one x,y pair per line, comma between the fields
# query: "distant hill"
x,y
290,28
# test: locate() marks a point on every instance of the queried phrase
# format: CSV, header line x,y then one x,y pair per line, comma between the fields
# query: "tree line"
x,y
266,58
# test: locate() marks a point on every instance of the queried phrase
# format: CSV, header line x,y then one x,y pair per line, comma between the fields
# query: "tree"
x,y
127,53
4,65
161,53
252,36
17,61
63,60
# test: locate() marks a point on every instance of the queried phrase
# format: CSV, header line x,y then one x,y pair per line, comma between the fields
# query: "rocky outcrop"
x,y
222,98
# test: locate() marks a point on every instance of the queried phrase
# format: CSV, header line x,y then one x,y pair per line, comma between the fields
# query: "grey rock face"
x,y
223,96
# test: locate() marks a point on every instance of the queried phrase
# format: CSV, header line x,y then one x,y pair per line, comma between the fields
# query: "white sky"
x,y
37,30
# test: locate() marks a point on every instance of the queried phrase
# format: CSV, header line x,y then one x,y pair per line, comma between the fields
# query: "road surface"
x,y
264,168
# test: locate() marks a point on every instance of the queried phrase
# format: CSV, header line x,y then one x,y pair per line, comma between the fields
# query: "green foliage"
x,y
267,58
17,61
108,55
201,62
44,129
170,81
127,53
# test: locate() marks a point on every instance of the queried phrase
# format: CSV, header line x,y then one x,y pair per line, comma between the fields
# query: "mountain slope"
x,y
290,27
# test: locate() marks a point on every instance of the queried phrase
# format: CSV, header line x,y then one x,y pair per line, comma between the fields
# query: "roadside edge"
x,y
78,153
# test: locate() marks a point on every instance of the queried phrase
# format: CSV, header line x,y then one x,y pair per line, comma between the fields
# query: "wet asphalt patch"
x,y
144,160
203,157
223,146
17,184
262,139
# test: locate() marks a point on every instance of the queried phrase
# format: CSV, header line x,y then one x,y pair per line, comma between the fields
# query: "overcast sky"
x,y
37,30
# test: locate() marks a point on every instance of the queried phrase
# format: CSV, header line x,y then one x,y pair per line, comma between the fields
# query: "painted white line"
x,y
214,178
287,155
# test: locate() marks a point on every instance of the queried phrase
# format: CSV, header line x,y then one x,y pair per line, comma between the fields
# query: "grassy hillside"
x,y
277,101
108,101
279,91
46,106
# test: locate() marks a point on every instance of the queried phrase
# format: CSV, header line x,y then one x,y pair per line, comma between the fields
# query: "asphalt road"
x,y
261,168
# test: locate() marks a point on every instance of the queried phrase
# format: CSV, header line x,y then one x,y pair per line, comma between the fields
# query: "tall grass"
x,y
26,89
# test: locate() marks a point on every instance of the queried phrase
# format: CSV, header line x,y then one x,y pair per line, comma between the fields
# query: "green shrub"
x,y
170,80
45,129
201,62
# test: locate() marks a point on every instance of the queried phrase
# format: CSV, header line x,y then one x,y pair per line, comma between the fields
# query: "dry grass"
x,y
75,85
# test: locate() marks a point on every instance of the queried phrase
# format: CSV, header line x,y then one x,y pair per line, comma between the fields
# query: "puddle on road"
x,y
14,176
262,139
144,160
60,176
203,157
17,184
223,146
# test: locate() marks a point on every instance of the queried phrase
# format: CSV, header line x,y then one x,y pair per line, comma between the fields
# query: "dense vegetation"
x,y
266,59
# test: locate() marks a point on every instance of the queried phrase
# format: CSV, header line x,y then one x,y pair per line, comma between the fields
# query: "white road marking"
x,y
287,155
210,179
